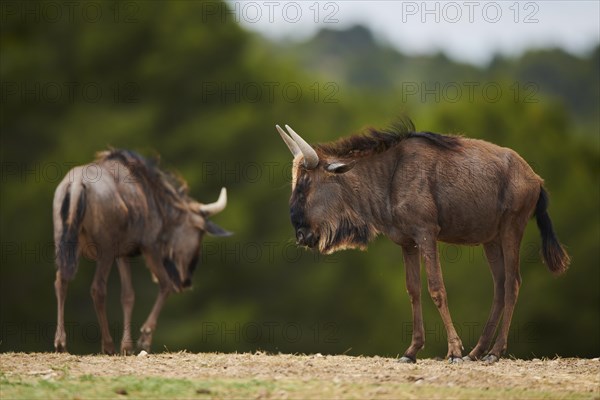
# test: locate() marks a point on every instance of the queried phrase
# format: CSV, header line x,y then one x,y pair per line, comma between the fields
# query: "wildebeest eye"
x,y
340,167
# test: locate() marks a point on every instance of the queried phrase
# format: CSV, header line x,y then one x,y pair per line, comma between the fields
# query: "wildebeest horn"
x,y
217,206
311,159
289,141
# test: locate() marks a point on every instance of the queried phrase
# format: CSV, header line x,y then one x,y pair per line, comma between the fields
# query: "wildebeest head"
x,y
321,191
185,239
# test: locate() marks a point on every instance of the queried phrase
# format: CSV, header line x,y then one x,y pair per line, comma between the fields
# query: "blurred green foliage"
x,y
169,78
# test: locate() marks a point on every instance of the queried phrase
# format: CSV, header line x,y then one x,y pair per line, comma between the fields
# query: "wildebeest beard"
x,y
344,234
171,269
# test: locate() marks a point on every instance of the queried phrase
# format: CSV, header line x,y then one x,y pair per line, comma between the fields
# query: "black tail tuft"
x,y
67,250
555,256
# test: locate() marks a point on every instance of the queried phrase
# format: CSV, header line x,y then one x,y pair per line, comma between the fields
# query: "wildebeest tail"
x,y
72,211
555,256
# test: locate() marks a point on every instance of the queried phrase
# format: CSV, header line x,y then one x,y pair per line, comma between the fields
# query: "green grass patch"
x,y
133,387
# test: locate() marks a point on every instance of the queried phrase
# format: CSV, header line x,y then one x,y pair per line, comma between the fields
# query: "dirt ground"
x,y
319,376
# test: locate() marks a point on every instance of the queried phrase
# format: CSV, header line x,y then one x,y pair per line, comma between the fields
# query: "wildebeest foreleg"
x,y
493,253
510,249
437,290
98,292
412,264
127,300
60,338
145,340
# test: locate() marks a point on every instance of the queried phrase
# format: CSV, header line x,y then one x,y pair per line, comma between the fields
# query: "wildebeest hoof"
x,y
468,358
127,351
490,359
143,345
406,360
108,348
455,360
60,348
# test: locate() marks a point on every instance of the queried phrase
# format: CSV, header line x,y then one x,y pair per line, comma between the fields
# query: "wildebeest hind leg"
x,y
98,292
127,300
437,290
493,253
60,338
412,264
511,240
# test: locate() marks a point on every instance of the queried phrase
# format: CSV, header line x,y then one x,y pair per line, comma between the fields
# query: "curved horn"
x,y
217,206
311,159
289,141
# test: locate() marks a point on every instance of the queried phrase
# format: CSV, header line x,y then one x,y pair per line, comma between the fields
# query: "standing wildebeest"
x,y
418,188
119,206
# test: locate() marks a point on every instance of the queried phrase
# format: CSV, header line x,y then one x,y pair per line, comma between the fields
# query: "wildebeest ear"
x,y
215,230
339,167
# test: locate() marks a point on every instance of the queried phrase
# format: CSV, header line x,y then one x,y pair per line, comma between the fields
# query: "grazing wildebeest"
x,y
418,188
119,206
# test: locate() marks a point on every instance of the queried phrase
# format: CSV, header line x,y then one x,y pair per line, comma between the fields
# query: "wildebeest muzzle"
x,y
305,237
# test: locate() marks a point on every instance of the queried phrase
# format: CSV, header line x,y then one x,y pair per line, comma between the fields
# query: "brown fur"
x,y
418,188
123,205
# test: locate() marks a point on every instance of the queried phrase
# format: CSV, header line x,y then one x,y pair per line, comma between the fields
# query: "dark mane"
x,y
374,141
169,191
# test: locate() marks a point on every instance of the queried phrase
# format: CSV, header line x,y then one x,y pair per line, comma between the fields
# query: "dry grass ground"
x,y
261,376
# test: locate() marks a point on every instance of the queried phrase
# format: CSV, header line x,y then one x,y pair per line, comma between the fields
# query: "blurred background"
x,y
204,83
